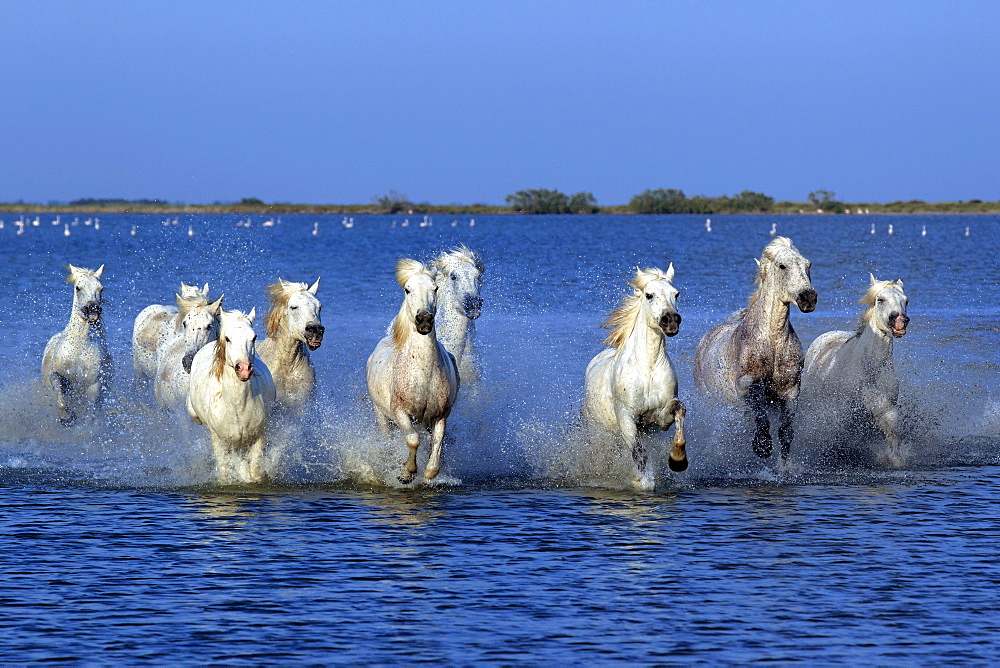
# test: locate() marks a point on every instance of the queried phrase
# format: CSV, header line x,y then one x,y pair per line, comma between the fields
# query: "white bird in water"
x,y
472,223
65,230
708,224
873,228
966,231
133,230
774,229
57,221
190,231
36,222
315,228
923,230
97,223
890,229
406,222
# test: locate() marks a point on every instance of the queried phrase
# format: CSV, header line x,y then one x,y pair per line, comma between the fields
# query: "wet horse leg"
x,y
756,400
434,459
412,442
785,429
678,456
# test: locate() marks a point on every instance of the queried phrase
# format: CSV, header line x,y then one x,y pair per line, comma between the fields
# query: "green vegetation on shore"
x,y
661,201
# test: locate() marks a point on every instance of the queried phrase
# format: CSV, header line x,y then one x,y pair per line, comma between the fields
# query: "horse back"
x,y
715,357
823,351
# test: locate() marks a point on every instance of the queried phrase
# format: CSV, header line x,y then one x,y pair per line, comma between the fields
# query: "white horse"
x,y
199,327
153,328
459,276
231,394
855,370
293,329
411,377
754,358
631,386
76,364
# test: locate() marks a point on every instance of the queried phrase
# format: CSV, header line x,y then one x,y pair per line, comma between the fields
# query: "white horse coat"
x,y
855,370
154,327
199,327
632,385
459,277
231,394
754,358
293,329
76,364
411,377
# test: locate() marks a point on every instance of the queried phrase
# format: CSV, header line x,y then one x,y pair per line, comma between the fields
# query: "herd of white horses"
x,y
197,358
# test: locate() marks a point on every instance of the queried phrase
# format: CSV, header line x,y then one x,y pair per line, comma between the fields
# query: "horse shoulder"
x,y
822,352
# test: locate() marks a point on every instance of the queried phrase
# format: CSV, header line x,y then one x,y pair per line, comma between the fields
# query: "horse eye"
x,y
881,300
782,267
454,276
649,296
293,307
406,290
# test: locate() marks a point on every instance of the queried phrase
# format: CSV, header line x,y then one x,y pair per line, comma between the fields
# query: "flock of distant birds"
x,y
22,223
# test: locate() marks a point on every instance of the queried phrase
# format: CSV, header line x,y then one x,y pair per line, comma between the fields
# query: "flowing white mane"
x,y
766,260
622,320
458,255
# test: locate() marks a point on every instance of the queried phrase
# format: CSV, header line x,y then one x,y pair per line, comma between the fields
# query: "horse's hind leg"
x,y
756,401
678,456
886,417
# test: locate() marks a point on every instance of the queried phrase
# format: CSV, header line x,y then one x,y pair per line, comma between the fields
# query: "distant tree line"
x,y
551,201
651,201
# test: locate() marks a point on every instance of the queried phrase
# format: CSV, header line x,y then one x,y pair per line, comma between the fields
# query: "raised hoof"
x,y
678,465
430,474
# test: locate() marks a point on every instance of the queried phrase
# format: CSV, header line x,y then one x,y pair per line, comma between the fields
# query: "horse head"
x,y
783,270
200,326
296,311
886,307
659,297
420,293
87,293
459,276
236,346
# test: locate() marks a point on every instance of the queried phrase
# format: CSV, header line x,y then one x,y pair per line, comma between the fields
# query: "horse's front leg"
x,y
886,417
255,461
60,385
382,420
630,435
786,432
412,442
678,455
434,459
756,401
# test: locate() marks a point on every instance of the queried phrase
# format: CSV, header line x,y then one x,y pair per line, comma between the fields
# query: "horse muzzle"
x,y
92,312
186,362
244,370
424,322
472,306
806,301
670,323
314,336
898,323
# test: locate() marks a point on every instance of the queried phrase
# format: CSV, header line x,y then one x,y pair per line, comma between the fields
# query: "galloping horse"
x,y
632,386
76,364
293,329
199,327
754,357
855,370
231,394
411,377
459,276
153,329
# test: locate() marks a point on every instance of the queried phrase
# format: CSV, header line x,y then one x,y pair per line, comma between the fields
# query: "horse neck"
x,y
454,328
286,350
645,343
874,345
769,314
80,326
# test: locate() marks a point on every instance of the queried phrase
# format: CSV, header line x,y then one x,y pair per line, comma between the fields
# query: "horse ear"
x,y
758,262
204,290
100,270
252,314
871,276
899,282
314,287
670,272
216,306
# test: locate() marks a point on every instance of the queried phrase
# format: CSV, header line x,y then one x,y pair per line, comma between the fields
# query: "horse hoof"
x,y
405,479
678,465
430,474
763,449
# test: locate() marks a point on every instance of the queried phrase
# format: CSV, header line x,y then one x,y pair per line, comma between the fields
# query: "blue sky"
x,y
466,102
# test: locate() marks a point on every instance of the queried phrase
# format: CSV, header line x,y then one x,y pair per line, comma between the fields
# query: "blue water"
x,y
120,548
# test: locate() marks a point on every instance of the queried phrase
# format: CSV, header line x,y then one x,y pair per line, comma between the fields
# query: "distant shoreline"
x,y
779,208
